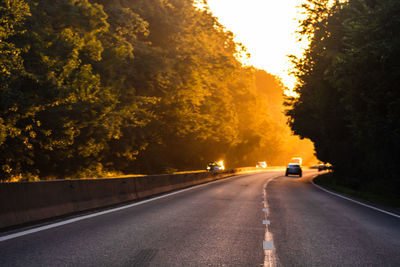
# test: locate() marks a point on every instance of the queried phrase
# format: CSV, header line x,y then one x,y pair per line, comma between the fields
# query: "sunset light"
x,y
266,28
199,133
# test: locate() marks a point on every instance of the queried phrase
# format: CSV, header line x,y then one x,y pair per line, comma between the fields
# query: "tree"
x,y
13,15
90,87
348,89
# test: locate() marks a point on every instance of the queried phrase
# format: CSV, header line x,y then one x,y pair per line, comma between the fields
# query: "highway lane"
x,y
220,224
314,228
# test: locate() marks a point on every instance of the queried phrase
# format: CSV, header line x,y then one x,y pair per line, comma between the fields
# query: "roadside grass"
x,y
373,194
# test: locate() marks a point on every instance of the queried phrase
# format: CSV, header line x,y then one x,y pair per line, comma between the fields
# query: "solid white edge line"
x,y
355,201
68,221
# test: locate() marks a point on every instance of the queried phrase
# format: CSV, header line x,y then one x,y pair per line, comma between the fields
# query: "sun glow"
x,y
267,29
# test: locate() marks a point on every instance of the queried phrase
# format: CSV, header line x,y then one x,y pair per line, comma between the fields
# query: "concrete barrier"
x,y
157,184
27,202
33,201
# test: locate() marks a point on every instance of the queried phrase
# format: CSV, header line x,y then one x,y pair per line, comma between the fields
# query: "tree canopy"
x,y
348,102
147,86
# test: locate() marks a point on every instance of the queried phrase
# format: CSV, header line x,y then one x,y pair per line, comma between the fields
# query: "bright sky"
x,y
267,28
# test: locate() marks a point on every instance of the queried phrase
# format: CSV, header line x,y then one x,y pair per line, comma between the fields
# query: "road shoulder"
x,y
392,211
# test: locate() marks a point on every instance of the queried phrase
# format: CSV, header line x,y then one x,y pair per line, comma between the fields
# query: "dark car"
x,y
214,166
294,168
322,167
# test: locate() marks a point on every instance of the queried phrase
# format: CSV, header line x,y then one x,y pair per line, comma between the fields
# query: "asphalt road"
x,y
221,224
313,228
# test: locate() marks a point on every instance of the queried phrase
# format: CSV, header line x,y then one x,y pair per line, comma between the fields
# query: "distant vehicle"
x,y
294,168
322,167
297,160
215,166
261,164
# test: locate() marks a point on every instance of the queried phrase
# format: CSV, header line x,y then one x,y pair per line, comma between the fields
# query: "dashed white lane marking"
x,y
53,225
268,245
355,201
270,258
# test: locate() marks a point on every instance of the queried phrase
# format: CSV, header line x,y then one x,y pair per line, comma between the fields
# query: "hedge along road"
x,y
220,223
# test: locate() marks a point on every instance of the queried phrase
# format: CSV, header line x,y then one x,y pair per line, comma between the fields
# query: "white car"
x,y
261,164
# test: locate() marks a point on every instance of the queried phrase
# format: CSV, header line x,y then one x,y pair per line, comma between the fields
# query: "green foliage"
x,y
348,87
89,87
